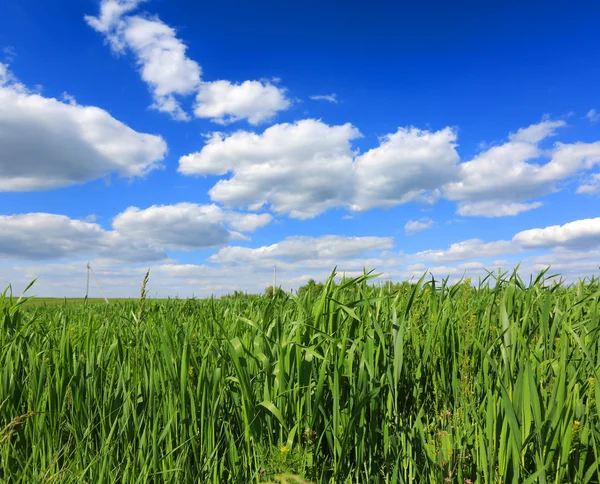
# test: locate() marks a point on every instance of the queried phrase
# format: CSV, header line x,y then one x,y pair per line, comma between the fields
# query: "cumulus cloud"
x,y
331,98
307,167
225,102
47,143
296,249
580,234
186,226
136,235
408,165
170,74
414,226
45,236
301,168
577,235
469,249
304,168
500,180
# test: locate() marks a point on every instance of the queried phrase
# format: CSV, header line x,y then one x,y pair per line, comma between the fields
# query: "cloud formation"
x,y
414,226
171,75
408,165
45,236
591,185
301,168
578,235
137,235
307,167
304,249
593,116
331,98
186,226
226,103
503,179
47,143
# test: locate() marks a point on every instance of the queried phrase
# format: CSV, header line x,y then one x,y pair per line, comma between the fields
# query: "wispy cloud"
x,y
9,53
593,116
332,98
414,226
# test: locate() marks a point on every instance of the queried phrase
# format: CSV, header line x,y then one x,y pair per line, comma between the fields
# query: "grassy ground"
x,y
425,383
51,301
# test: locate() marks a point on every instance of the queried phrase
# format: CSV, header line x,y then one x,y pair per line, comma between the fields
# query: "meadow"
x,y
493,382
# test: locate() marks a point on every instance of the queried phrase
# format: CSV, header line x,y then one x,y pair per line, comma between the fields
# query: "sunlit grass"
x,y
422,383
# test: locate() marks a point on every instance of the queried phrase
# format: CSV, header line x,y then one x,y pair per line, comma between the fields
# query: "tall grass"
x,y
423,383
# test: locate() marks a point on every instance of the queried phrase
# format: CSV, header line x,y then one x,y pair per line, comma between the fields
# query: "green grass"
x,y
51,301
424,383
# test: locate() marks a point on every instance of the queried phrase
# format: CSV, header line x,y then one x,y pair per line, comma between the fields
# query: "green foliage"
x,y
409,383
239,295
283,463
311,288
277,294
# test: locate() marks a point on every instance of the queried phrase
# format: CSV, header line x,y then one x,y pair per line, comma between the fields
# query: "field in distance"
x,y
50,301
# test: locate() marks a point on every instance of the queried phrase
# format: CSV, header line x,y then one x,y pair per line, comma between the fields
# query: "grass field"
x,y
414,383
52,301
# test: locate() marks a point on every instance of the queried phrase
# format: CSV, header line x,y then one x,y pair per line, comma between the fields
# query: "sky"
x,y
211,141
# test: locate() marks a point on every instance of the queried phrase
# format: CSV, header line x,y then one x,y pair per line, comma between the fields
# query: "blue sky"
x,y
210,141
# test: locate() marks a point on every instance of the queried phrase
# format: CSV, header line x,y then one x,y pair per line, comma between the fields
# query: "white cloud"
x,y
170,73
498,181
161,56
469,250
307,167
186,226
494,208
163,62
593,116
302,168
591,186
136,235
332,98
408,165
47,143
571,264
225,102
247,222
580,235
68,98
45,236
296,249
8,80
111,13
569,159
577,235
536,132
414,226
